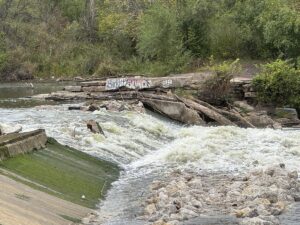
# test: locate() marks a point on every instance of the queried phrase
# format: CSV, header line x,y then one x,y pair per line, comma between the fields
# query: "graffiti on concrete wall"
x,y
167,83
130,83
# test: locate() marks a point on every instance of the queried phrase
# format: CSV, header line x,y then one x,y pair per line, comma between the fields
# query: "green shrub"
x,y
216,88
278,84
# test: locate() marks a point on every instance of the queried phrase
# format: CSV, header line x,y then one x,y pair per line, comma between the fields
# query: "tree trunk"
x,y
212,114
90,19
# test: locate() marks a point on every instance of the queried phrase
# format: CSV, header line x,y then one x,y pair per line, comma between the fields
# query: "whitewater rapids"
x,y
148,147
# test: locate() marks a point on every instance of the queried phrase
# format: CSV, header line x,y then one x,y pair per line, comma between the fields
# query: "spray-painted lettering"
x,y
130,83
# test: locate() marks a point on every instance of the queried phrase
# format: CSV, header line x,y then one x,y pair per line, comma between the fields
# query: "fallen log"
x,y
212,114
237,118
233,116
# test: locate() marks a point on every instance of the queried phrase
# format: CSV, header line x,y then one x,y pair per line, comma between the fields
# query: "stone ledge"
x,y
15,144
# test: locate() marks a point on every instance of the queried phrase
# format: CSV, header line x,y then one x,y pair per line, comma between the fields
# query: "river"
x,y
149,147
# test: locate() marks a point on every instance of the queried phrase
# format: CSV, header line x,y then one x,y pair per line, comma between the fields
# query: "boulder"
x,y
244,106
287,117
260,119
94,127
288,113
175,110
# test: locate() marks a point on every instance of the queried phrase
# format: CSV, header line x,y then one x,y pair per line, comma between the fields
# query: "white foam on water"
x,y
228,148
129,136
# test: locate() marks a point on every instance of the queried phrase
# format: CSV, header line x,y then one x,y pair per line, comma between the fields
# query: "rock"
x,y
255,221
260,119
188,213
150,209
244,106
293,175
246,212
282,165
172,209
156,185
175,110
92,108
9,129
174,222
296,197
94,127
277,208
197,204
196,184
270,171
288,113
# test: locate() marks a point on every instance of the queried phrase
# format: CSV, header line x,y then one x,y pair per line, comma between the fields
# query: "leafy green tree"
x,y
159,36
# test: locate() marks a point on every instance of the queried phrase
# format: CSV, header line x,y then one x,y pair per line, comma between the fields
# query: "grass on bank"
x,y
64,172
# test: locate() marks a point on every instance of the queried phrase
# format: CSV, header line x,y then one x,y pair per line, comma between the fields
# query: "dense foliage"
x,y
279,84
85,37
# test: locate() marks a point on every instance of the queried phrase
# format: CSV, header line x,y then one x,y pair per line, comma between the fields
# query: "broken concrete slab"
x,y
16,144
175,110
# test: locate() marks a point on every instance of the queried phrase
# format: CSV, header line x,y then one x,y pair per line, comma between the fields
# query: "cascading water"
x,y
147,148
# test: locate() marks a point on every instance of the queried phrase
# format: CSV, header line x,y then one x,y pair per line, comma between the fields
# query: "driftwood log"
x,y
212,114
233,116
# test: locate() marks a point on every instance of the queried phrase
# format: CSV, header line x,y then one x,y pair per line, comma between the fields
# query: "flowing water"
x,y
147,147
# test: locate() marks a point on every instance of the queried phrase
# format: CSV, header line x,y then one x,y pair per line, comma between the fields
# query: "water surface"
x,y
148,147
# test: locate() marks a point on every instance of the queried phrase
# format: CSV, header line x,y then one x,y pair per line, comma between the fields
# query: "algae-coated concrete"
x,y
64,172
23,205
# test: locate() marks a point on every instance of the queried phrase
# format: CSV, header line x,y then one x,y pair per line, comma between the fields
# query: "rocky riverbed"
x,y
258,197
